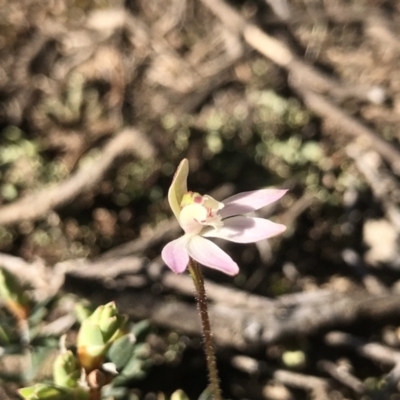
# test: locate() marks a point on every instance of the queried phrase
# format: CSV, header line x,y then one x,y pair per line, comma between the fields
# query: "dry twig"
x,y
374,351
342,375
318,387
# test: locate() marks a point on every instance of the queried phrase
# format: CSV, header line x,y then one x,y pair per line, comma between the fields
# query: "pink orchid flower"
x,y
202,216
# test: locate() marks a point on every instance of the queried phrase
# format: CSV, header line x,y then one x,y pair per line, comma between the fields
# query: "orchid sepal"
x,y
178,187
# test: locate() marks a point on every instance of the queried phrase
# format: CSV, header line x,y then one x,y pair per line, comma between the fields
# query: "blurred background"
x,y
101,100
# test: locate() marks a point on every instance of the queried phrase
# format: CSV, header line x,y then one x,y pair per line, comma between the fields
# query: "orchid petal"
x,y
175,255
243,203
190,218
178,187
210,202
246,229
210,255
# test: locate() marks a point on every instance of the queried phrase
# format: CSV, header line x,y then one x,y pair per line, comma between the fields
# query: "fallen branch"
x,y
318,387
384,186
36,275
239,319
374,351
279,53
308,81
342,375
347,124
37,205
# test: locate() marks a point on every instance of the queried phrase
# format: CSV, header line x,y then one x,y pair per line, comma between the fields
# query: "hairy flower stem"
x,y
201,298
95,393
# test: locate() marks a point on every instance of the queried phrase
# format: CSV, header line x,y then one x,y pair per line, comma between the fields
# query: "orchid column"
x,y
201,217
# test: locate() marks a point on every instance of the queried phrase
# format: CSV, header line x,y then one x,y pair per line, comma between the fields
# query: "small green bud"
x,y
119,328
108,310
97,333
90,346
108,327
96,315
66,370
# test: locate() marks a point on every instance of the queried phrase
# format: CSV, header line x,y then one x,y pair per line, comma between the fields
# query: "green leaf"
x,y
121,350
132,368
141,350
44,392
66,370
141,330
